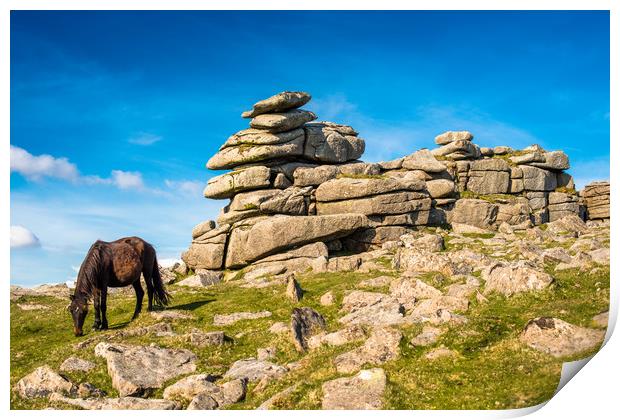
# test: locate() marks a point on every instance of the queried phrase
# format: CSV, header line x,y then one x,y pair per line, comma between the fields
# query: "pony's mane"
x,y
89,271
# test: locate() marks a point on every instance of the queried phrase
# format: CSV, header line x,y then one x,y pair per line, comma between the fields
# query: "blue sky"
x,y
114,114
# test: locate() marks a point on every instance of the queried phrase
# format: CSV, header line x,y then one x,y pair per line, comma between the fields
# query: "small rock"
x,y
305,322
428,336
363,391
293,289
31,307
203,339
279,328
559,338
42,382
170,314
275,399
190,386
73,364
88,390
381,346
203,401
254,370
440,353
268,353
123,403
337,338
327,299
203,278
601,319
376,282
230,319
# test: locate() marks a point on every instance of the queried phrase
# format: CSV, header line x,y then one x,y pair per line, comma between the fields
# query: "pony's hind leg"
x,y
139,295
148,279
103,307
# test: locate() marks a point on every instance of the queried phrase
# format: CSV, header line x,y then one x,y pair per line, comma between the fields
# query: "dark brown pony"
x,y
115,264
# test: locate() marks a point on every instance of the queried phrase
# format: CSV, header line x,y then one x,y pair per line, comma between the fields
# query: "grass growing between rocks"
x,y
493,369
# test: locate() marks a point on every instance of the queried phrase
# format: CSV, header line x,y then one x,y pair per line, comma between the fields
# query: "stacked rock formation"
x,y
298,192
596,199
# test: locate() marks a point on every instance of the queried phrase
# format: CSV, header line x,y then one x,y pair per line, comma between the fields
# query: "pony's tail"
x,y
162,297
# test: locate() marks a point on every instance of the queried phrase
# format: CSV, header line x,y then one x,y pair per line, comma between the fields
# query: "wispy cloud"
x,y
35,168
22,237
145,139
189,188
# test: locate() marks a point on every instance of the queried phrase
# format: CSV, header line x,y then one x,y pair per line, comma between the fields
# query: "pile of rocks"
x,y
596,199
298,192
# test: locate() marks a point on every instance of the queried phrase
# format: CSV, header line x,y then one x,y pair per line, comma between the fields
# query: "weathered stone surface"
x,y
42,382
332,143
282,101
293,200
391,203
277,233
489,176
273,401
247,153
139,370
597,199
514,277
428,336
382,346
413,261
282,121
391,164
601,320
478,213
123,403
459,149
450,136
190,386
313,176
423,160
327,299
171,315
537,179
231,183
75,364
429,308
440,353
230,319
363,391
305,322
203,339
369,308
202,279
559,338
416,218
202,228
337,338
408,291
349,188
555,161
438,188
527,158
254,370
372,238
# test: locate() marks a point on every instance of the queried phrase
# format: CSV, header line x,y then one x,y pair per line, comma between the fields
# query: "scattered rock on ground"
x,y
363,391
305,322
170,314
381,346
293,289
230,319
327,299
139,370
203,339
75,364
601,319
559,338
123,403
254,370
428,336
42,382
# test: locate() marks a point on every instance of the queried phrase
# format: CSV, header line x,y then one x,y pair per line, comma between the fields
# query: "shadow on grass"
x,y
192,305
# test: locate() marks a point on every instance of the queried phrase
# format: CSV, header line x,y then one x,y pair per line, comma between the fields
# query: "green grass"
x,y
494,370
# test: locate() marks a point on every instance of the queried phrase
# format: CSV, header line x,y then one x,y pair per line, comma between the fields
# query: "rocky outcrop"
x,y
295,182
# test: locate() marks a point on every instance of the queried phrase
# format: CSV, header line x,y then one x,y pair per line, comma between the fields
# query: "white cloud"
x,y
22,237
127,180
585,172
145,139
192,188
38,167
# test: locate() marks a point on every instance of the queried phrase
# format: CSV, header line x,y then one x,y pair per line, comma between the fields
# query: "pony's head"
x,y
78,308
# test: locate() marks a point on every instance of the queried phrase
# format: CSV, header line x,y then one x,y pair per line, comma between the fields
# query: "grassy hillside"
x,y
493,370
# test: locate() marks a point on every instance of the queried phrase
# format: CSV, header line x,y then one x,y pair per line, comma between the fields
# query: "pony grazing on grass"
x,y
115,264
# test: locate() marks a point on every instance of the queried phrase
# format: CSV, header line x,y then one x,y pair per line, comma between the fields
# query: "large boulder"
x,y
268,146
274,234
363,391
473,212
282,121
423,160
391,203
489,176
597,198
229,184
332,143
348,188
207,251
277,103
555,161
537,179
139,370
450,136
305,322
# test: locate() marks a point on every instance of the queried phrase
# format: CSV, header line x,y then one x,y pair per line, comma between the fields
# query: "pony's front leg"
x,y
104,301
96,302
